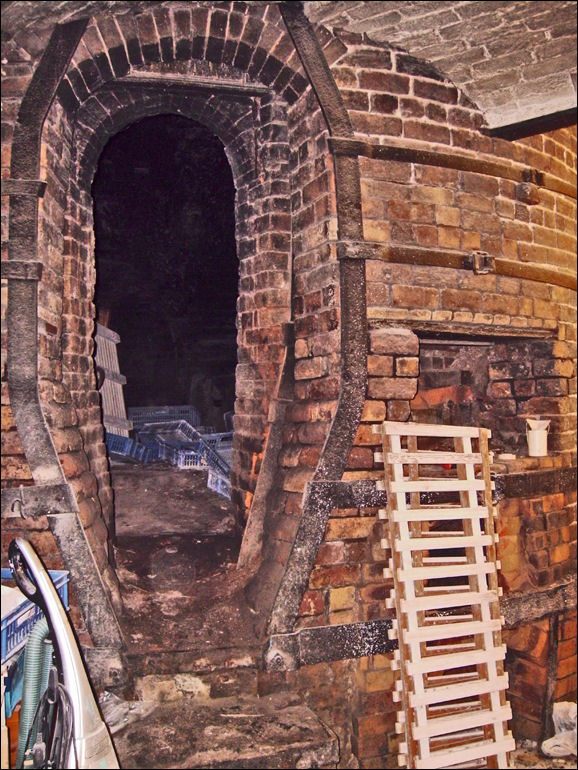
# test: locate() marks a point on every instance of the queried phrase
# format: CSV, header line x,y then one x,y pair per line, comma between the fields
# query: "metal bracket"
x,y
480,262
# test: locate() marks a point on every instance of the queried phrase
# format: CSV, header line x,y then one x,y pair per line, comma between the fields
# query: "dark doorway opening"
x,y
167,283
167,273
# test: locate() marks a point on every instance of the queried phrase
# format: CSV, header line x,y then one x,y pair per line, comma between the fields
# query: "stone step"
x,y
276,731
172,676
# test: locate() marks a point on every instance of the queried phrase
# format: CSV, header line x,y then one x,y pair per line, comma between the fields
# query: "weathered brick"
x,y
373,411
310,368
391,387
389,83
313,603
335,576
341,598
436,92
380,366
393,341
455,299
407,367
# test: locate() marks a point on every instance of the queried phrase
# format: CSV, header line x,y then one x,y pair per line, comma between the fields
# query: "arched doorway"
x,y
166,284
167,270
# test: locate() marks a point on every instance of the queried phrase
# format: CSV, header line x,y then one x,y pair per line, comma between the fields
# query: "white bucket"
x,y
537,435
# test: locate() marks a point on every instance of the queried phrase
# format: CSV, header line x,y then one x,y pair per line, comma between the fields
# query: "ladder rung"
x,y
417,429
437,649
437,485
454,708
432,457
456,691
453,724
437,514
451,757
452,630
434,543
446,571
421,603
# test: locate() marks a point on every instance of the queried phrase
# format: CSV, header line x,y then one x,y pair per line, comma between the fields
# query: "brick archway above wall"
x,y
252,45
120,103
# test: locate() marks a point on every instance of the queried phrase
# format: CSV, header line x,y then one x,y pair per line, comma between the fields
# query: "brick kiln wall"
x,y
395,100
289,206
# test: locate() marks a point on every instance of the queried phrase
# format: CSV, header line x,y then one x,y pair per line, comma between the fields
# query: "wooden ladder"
x,y
451,681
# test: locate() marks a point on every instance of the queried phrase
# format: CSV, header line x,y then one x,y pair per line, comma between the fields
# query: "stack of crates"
x,y
19,620
182,445
143,415
174,434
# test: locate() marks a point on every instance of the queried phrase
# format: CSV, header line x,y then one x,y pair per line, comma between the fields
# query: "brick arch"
x,y
254,133
247,41
117,106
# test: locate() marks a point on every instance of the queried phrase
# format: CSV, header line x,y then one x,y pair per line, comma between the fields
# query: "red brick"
x,y
380,366
313,603
345,574
392,387
393,341
426,132
360,458
414,296
454,299
435,92
384,81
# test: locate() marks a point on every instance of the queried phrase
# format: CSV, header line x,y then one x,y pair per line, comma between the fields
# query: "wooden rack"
x,y
451,682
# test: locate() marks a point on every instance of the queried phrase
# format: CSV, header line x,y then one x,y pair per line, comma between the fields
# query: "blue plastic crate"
x,y
140,415
193,449
219,441
190,459
19,622
127,447
219,484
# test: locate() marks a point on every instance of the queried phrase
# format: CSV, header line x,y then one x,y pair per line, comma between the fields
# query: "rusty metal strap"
x,y
31,188
345,146
308,646
480,262
22,269
32,502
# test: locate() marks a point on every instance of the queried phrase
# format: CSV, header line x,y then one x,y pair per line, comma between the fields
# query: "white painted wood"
x,y
436,542
451,757
452,630
432,457
445,658
422,429
455,691
433,663
445,600
427,513
454,724
457,570
438,485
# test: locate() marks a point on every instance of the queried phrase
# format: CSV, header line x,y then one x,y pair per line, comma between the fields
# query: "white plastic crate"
x,y
189,459
177,433
18,622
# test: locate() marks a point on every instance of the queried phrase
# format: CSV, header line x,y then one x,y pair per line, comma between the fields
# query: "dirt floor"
x,y
176,550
